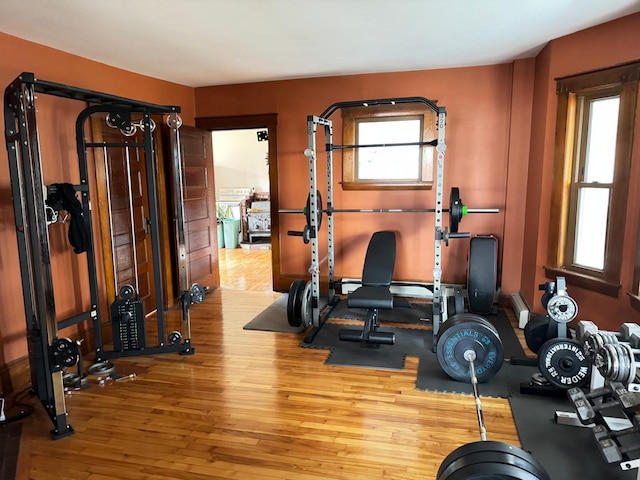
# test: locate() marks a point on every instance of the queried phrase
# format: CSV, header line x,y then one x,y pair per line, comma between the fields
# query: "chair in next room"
x,y
374,294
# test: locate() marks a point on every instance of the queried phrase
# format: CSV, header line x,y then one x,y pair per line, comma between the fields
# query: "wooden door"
x,y
200,227
125,196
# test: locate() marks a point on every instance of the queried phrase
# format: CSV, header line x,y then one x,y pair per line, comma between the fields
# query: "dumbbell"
x,y
593,338
613,353
610,447
614,395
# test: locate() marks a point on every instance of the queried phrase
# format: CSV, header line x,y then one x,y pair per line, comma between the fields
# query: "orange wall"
x,y
478,158
602,46
493,113
56,123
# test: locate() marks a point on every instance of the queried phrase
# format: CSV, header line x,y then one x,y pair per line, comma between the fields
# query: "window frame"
x,y
351,116
623,80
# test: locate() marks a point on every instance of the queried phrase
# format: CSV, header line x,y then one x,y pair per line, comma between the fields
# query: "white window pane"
x,y
591,227
389,163
601,140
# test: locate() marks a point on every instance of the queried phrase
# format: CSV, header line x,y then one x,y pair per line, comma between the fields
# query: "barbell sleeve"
x,y
481,210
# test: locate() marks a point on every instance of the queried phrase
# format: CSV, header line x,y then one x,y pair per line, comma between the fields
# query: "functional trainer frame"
x,y
22,141
313,214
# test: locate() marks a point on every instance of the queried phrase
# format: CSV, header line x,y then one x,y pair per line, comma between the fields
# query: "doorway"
x,y
260,122
243,203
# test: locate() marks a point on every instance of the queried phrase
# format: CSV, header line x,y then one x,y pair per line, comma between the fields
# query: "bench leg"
x,y
369,335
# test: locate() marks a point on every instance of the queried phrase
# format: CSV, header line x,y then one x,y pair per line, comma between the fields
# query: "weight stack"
x,y
482,276
127,324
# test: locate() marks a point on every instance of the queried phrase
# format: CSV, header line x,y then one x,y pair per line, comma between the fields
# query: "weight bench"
x,y
374,294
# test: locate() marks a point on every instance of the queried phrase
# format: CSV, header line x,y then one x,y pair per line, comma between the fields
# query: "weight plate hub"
x,y
563,363
464,332
490,460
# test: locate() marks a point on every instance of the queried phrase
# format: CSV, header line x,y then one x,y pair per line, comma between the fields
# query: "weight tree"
x,y
47,352
314,208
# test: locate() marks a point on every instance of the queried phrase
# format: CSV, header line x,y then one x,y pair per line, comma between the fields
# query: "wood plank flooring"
x,y
254,405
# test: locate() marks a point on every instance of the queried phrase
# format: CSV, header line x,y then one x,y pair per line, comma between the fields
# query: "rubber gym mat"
x,y
566,452
274,318
410,342
431,378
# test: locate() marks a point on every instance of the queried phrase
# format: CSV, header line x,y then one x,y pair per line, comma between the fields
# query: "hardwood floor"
x,y
242,269
254,405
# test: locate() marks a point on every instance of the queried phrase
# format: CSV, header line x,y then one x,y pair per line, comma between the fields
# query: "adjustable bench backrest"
x,y
374,293
379,260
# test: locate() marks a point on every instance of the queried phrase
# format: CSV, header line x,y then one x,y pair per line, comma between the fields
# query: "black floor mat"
x,y
411,342
566,452
274,317
416,343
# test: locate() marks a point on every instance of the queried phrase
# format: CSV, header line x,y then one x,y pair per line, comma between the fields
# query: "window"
x,y
594,136
374,164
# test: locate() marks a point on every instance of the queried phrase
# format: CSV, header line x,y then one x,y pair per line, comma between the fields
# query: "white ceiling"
x,y
214,42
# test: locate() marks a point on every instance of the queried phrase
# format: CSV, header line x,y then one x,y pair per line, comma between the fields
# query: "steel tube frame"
x,y
25,168
323,120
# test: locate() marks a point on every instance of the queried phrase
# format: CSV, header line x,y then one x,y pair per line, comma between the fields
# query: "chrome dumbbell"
x,y
612,353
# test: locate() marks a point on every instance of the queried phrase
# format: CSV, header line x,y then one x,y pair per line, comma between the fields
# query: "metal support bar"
x,y
437,251
431,143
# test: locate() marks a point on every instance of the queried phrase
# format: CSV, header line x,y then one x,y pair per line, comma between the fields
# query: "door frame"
x,y
270,122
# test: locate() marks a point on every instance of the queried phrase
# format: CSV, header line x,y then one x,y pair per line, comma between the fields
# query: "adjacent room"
x,y
320,240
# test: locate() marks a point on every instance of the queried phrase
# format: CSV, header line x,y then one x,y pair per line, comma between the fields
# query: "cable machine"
x,y
48,353
307,300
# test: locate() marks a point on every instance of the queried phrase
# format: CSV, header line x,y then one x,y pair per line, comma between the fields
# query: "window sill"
x,y
634,300
584,281
386,186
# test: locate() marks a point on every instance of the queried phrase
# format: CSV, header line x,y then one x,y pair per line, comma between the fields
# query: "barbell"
x,y
487,459
456,210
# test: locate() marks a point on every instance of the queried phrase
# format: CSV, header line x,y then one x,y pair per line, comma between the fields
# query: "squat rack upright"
x,y
46,349
314,209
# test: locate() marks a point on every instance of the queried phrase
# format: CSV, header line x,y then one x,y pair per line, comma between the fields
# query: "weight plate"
x,y
306,308
71,379
294,303
538,330
490,460
197,293
307,210
564,363
594,341
467,331
101,368
455,209
562,308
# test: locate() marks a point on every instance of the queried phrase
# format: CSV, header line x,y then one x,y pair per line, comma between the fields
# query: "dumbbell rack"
x,y
618,442
611,408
